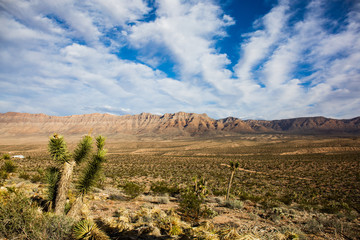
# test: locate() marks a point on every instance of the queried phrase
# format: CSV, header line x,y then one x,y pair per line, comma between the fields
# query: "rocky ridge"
x,y
176,124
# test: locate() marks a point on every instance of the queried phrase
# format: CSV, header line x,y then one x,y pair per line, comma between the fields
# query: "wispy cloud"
x,y
274,55
187,31
72,57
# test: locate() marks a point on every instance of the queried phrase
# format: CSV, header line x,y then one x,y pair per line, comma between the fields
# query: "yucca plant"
x,y
52,178
9,166
58,151
83,149
86,229
229,234
6,156
89,176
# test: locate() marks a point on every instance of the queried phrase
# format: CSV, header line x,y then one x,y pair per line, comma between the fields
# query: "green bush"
x,y
162,187
234,204
132,189
289,198
40,176
190,204
24,175
3,175
192,199
9,166
6,156
332,207
21,219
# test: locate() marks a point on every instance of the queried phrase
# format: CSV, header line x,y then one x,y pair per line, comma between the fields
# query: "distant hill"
x,y
177,124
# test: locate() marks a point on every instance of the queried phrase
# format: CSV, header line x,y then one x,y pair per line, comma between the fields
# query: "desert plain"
x,y
286,187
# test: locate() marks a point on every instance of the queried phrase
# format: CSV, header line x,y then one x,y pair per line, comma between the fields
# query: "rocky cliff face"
x,y
177,124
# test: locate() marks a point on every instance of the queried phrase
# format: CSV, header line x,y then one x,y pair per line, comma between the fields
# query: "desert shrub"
x,y
289,198
313,226
190,204
24,175
243,195
162,187
208,212
132,189
275,214
163,200
6,156
291,233
192,199
218,192
21,219
57,227
36,178
39,176
332,207
234,204
3,175
9,166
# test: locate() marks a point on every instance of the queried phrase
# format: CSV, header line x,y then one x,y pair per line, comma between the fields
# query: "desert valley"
x,y
167,177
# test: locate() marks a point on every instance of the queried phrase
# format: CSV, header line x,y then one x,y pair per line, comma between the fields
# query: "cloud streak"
x,y
127,57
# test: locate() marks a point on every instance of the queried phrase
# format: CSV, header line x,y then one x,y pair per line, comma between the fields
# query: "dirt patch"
x,y
323,150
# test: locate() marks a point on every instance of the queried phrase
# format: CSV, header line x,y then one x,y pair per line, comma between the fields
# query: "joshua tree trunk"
x,y
64,182
76,207
229,185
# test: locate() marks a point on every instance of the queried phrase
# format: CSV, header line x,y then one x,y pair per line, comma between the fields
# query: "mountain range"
x,y
177,124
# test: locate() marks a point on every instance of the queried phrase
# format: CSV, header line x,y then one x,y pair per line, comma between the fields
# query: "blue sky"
x,y
252,59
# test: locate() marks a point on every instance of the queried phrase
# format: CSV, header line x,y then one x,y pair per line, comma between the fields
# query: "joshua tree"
x,y
233,166
59,153
89,176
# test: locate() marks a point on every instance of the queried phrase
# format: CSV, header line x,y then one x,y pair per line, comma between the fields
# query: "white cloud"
x,y
260,43
277,59
61,57
187,30
186,93
120,12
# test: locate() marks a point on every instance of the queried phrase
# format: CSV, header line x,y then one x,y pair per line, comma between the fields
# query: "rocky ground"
x,y
149,216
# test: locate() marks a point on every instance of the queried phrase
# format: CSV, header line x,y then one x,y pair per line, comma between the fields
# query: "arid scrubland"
x,y
286,187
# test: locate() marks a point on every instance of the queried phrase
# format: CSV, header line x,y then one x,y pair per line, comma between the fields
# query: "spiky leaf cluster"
x,y
234,165
88,230
58,149
91,172
83,149
52,178
100,142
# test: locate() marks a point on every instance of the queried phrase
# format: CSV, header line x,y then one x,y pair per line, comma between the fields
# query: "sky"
x,y
250,59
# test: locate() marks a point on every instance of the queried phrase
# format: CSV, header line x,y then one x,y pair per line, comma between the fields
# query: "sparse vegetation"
x,y
6,156
9,166
132,189
288,187
193,198
20,218
163,187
